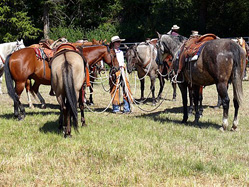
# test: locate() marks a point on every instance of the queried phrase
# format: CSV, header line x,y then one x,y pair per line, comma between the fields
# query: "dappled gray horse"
x,y
5,50
220,61
143,57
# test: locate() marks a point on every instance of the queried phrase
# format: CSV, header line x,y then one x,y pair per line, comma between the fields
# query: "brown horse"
x,y
93,70
220,61
94,54
22,66
67,73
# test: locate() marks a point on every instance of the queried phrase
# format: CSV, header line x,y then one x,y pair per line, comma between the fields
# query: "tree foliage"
x,y
14,22
134,20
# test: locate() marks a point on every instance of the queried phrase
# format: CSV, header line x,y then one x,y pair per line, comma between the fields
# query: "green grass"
x,y
139,149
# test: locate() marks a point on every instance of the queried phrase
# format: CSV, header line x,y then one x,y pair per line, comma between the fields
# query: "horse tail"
x,y
68,82
238,74
9,81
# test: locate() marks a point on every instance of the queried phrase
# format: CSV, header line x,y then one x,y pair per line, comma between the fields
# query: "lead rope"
x,y
117,85
137,104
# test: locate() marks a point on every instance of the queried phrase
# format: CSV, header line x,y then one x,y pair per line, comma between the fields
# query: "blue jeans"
x,y
126,106
115,108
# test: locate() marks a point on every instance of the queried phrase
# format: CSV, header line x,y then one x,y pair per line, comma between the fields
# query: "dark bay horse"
x,y
221,61
67,73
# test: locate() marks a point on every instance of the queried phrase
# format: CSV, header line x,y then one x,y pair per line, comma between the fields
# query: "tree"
x,y
15,22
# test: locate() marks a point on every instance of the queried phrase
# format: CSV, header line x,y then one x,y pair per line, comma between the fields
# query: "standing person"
x,y
174,30
118,77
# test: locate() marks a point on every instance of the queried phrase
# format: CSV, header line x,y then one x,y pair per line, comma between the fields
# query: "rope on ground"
x,y
117,85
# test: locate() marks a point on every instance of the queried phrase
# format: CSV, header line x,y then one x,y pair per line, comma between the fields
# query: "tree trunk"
x,y
46,21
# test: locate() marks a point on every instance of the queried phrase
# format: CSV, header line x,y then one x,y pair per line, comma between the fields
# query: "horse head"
x,y
169,45
131,58
19,45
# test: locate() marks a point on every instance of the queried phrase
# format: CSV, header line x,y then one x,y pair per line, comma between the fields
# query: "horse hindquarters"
x,y
71,98
240,63
11,91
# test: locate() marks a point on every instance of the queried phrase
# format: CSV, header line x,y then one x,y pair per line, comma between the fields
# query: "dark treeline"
x,y
134,20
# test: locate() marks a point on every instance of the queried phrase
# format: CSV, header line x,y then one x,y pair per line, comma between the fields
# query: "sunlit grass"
x,y
149,149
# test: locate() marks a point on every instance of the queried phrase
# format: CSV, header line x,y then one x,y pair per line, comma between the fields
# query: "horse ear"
x,y
126,47
159,35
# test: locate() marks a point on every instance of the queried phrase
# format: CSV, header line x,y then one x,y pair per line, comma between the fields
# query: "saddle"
x,y
62,48
192,48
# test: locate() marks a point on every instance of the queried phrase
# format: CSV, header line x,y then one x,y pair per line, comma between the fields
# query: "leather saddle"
x,y
192,48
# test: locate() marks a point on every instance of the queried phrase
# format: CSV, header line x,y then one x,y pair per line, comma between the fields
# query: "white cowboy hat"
x,y
195,33
175,27
116,39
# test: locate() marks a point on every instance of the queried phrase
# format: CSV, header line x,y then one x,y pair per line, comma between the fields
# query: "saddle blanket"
x,y
39,53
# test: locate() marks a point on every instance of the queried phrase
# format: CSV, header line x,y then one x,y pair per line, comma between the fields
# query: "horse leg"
x,y
183,89
152,88
200,100
1,80
81,105
68,121
27,86
161,82
18,105
62,106
174,91
66,115
222,91
196,90
35,88
236,110
191,105
219,102
142,89
91,94
245,78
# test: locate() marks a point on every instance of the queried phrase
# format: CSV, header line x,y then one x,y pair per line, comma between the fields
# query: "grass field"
x,y
138,149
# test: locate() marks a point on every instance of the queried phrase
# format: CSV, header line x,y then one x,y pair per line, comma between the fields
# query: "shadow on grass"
x,y
156,117
48,106
51,127
29,113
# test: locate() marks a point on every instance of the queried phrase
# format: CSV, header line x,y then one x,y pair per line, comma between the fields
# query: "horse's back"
x,y
75,61
22,62
217,61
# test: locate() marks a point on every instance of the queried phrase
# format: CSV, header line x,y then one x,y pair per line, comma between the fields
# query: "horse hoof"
x,y
174,99
43,106
234,129
190,114
222,129
83,125
67,136
184,121
21,117
31,106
